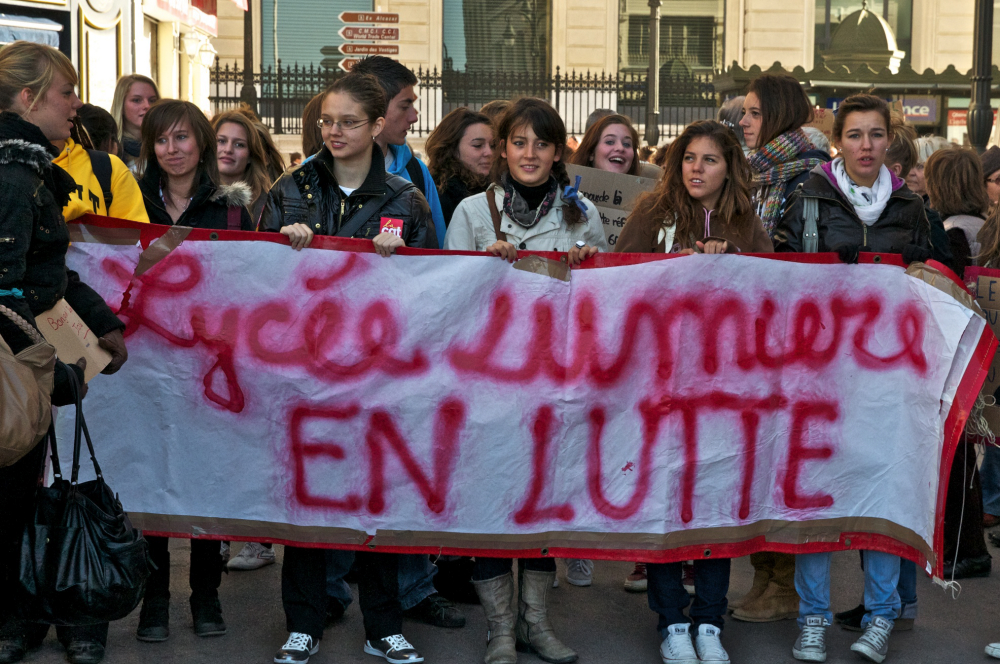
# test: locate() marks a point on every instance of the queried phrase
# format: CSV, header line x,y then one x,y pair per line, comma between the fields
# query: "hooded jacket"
x,y
401,156
34,237
902,222
88,197
309,194
209,207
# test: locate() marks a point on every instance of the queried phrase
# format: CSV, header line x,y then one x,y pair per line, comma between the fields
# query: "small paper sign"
x,y
63,328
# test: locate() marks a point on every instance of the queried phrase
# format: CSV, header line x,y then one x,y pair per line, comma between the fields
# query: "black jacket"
x,y
309,194
34,238
902,222
209,207
452,193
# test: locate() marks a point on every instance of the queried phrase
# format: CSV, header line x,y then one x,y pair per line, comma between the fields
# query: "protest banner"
x,y
651,408
985,285
823,119
614,195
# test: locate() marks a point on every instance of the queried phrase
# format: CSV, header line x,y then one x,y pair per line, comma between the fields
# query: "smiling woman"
x,y
460,153
611,144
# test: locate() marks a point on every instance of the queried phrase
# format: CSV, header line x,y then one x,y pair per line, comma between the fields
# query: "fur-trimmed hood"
x,y
18,151
232,195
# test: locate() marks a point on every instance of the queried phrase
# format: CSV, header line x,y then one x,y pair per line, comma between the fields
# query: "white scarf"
x,y
868,202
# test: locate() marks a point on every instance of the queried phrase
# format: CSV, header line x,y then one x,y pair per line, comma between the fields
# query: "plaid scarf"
x,y
773,166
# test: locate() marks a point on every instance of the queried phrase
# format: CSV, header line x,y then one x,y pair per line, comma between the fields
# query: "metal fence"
x,y
283,92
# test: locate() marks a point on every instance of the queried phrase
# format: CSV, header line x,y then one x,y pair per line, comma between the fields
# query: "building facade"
x,y
167,40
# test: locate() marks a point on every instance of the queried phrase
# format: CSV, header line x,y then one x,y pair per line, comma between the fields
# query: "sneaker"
x,y
438,611
811,644
687,573
709,647
851,620
874,643
993,650
677,647
297,649
254,555
394,649
580,572
636,581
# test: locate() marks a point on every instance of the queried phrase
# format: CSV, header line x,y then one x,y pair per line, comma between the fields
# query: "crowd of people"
x,y
758,180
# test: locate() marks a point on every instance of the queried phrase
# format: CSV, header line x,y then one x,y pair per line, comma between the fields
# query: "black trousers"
x,y
205,574
970,540
17,502
303,592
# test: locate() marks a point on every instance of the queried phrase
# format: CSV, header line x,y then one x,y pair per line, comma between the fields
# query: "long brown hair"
x,y
548,126
784,105
955,183
257,174
166,113
312,136
670,200
442,149
584,155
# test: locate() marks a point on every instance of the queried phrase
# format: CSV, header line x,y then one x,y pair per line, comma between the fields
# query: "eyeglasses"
x,y
342,125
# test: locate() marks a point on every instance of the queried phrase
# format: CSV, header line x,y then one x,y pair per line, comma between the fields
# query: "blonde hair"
x,y
125,84
928,145
33,66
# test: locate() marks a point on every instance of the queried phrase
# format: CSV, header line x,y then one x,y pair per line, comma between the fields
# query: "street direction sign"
x,y
368,17
368,49
369,33
347,64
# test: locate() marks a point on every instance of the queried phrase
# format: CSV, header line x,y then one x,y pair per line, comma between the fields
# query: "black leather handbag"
x,y
82,562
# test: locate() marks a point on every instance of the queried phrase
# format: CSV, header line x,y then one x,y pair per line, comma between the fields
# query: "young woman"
x,y
459,157
243,157
38,102
611,144
862,205
343,191
134,95
530,201
702,204
774,110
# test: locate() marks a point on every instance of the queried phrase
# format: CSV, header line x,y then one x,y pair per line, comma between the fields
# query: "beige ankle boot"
x,y
763,570
534,633
497,597
779,601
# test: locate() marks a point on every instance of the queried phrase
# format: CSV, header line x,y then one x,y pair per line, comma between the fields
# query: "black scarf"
x,y
57,181
518,208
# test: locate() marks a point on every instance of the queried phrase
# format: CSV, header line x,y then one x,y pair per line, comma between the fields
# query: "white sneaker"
x,y
297,649
993,650
253,556
811,644
709,647
677,647
580,572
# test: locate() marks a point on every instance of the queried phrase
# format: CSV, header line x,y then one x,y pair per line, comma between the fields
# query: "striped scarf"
x,y
773,166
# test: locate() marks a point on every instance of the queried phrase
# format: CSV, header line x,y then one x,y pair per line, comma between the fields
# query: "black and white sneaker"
x,y
394,649
297,649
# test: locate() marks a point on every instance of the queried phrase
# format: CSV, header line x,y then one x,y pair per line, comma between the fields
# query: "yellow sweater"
x,y
88,197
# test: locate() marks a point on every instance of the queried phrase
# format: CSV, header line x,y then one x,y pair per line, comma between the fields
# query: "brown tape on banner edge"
x,y
937,279
160,248
778,532
103,235
544,266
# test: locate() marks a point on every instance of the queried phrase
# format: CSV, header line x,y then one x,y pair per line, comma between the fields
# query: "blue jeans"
x,y
812,582
907,589
668,598
989,478
338,564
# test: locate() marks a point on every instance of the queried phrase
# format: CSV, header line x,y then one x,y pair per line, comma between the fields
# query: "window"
x,y
490,35
897,13
691,33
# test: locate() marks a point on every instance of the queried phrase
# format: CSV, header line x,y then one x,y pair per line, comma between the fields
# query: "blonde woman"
x,y
243,157
134,94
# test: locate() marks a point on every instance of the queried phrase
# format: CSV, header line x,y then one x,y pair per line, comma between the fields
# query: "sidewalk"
x,y
603,623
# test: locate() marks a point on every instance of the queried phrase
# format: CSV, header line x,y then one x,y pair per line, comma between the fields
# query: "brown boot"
x,y
534,633
779,601
497,597
763,571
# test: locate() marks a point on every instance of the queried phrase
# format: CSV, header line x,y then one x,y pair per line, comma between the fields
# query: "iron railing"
x,y
283,92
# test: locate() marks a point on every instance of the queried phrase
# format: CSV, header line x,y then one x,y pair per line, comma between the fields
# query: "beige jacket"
x,y
471,227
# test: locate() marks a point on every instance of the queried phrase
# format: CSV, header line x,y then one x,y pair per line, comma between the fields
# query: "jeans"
x,y
907,589
416,579
490,568
989,477
812,582
338,564
668,598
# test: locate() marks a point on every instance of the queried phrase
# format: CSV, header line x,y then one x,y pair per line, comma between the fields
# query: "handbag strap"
x,y
26,327
80,434
495,215
234,218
